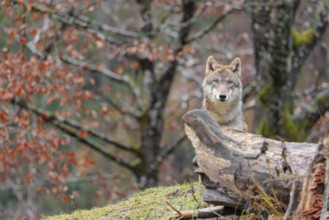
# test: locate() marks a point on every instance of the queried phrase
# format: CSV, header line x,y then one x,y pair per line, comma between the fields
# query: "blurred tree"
x,y
116,76
71,68
280,52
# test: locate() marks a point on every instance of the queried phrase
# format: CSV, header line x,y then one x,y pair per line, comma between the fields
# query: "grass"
x,y
150,204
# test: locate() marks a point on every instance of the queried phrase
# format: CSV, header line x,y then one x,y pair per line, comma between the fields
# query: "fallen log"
x,y
313,201
246,171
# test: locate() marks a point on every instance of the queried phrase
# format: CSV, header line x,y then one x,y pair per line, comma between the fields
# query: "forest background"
x,y
92,92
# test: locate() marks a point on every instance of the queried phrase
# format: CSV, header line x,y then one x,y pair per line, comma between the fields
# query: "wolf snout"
x,y
222,98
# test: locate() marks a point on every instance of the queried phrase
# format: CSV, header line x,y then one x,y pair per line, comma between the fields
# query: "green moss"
x,y
290,127
299,39
295,131
321,100
265,93
150,204
263,129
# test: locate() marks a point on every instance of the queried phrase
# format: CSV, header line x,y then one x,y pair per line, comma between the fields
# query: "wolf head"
x,y
222,83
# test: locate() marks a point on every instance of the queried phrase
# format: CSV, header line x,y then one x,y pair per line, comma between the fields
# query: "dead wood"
x,y
241,170
313,202
209,212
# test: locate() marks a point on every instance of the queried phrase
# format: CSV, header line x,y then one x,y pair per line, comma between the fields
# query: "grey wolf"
x,y
222,93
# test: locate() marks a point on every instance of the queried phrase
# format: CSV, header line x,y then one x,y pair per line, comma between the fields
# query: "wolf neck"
x,y
224,112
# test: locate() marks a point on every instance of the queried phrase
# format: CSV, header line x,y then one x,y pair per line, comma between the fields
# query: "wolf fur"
x,y
222,93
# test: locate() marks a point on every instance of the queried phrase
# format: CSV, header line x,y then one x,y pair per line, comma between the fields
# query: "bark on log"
x,y
242,170
313,202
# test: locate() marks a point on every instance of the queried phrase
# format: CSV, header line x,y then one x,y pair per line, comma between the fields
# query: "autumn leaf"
x,y
28,178
83,133
22,40
65,198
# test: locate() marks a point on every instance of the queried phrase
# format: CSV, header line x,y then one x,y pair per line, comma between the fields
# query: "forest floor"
x,y
153,203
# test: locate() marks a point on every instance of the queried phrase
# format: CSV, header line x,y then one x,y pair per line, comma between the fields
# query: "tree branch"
x,y
249,91
100,136
95,146
314,89
319,26
210,27
167,151
130,111
72,21
81,21
316,110
106,72
204,213
111,75
71,129
106,28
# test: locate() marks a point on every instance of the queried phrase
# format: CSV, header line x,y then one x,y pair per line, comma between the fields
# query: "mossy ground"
x,y
150,204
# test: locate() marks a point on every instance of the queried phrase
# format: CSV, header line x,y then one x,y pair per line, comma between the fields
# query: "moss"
x,y
289,126
263,129
150,204
298,39
294,131
265,93
321,100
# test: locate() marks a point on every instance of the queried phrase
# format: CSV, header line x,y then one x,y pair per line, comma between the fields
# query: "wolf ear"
x,y
211,64
236,66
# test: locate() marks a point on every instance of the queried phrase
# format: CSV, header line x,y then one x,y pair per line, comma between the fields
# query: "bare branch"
x,y
81,21
204,213
168,150
319,26
106,28
164,27
68,20
249,90
100,136
191,77
316,109
251,104
106,72
210,27
111,75
187,97
311,91
122,110
95,146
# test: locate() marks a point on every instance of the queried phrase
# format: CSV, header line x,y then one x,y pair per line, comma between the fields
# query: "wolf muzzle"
x,y
221,97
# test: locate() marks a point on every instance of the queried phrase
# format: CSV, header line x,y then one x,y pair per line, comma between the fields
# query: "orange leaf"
x,y
39,189
107,89
22,40
65,198
28,179
33,32
83,133
71,154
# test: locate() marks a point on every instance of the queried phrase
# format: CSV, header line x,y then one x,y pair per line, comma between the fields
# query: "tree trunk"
x,y
271,28
279,56
243,170
152,121
313,200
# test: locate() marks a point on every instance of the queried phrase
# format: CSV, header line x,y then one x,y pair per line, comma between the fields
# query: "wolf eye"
x,y
230,82
216,81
